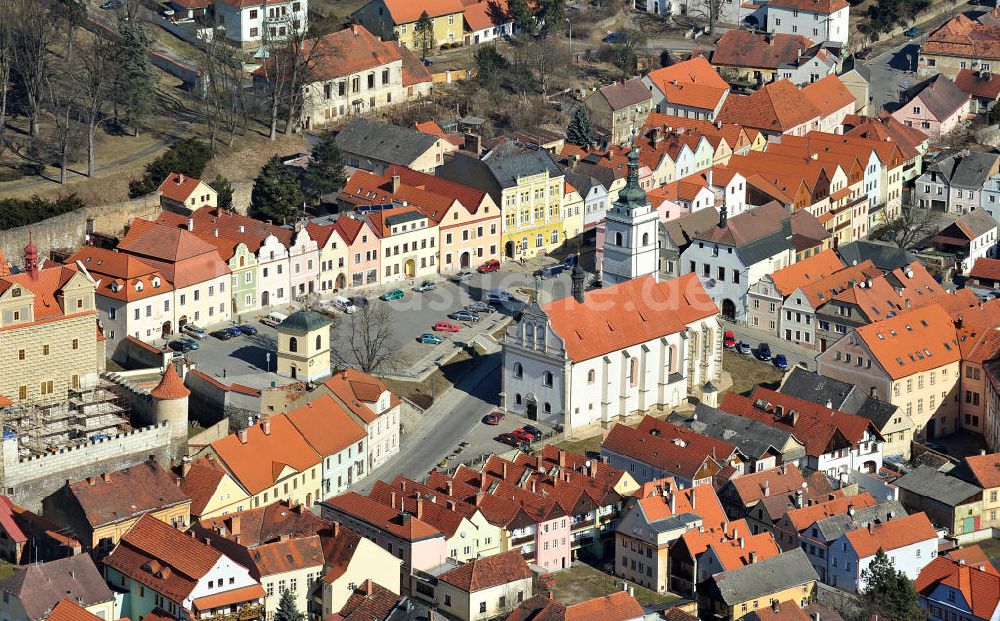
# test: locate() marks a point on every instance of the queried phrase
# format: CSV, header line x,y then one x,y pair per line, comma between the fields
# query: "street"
x,y
796,354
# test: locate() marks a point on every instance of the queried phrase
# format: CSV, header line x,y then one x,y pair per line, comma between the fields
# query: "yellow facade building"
x,y
734,594
397,19
304,346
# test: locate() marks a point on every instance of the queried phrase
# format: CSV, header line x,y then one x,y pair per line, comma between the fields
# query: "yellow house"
x,y
304,346
572,212
332,257
735,594
984,470
397,19
353,560
528,186
269,461
99,510
212,491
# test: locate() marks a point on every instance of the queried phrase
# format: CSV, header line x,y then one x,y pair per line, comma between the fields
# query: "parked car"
x,y
535,431
446,326
344,305
180,345
113,4
193,343
234,331
425,287
498,296
222,334
490,266
613,37
549,271
729,339
522,434
493,418
509,439
461,276
743,348
395,294
464,315
273,319
780,361
247,329
359,301
194,331
912,32
480,307
429,339
763,352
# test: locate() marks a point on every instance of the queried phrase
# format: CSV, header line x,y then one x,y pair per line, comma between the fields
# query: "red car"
x,y
521,434
446,326
490,266
729,339
509,439
493,418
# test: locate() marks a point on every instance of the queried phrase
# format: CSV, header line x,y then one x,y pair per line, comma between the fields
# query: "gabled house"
x,y
956,183
396,19
620,108
961,43
708,549
983,471
764,497
823,20
776,109
755,57
691,88
183,576
955,589
833,100
892,424
836,442
910,542
973,236
339,439
183,194
99,510
373,406
657,449
618,606
482,588
767,296
731,595
935,106
32,591
983,88
29,538
984,278
375,146
948,501
247,23
351,559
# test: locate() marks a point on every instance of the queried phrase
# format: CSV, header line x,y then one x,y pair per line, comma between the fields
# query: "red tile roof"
x,y
267,524
655,498
979,588
488,572
359,392
180,255
125,494
986,469
819,428
777,107
171,386
257,464
403,525
46,288
913,341
745,48
807,271
202,481
693,83
68,610
961,36
121,276
326,426
974,555
249,593
807,516
667,446
627,314
615,607
178,187
369,602
764,483
344,52
829,95
405,12
626,94
891,535
973,83
487,14
985,268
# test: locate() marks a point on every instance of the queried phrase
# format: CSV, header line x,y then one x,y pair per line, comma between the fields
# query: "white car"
x,y
344,305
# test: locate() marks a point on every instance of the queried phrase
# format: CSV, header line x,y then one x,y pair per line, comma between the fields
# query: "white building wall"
x,y
273,273
206,303
846,575
146,328
817,26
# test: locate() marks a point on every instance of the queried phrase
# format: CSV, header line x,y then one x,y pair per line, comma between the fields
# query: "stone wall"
x,y
69,230
27,481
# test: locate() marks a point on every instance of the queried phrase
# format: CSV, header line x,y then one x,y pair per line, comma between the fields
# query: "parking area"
x,y
481,441
409,317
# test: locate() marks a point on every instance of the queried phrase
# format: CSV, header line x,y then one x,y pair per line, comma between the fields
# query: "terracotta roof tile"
x,y
369,602
975,84
326,426
234,596
667,446
625,94
618,606
181,256
986,268
178,187
807,516
986,469
897,533
979,588
807,271
653,310
963,37
912,341
745,48
777,107
127,493
68,610
405,12
656,496
752,487
829,95
693,83
406,526
258,463
488,572
171,386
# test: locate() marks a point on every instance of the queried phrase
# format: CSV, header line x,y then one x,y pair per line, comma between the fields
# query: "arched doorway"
x,y
531,408
309,500
508,250
465,260
165,330
410,268
728,309
265,298
870,467
341,280
182,321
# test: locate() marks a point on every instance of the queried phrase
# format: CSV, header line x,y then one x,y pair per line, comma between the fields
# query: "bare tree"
x,y
371,340
709,10
34,32
286,70
94,83
6,61
912,226
550,60
61,99
225,103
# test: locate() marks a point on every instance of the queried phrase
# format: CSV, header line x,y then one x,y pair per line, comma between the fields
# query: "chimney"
x,y
539,462
673,502
473,143
420,507
775,606
533,490
753,557
798,498
504,471
216,232
180,178
369,590
106,477
395,184
693,496
742,543
190,224
266,427
242,435
961,561
767,489
392,500
562,459
354,29
450,487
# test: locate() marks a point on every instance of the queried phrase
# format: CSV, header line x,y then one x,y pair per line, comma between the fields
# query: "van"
x,y
498,296
550,271
344,305
273,319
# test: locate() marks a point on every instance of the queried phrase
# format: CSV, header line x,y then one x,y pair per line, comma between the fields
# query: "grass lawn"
x,y
582,582
747,372
581,446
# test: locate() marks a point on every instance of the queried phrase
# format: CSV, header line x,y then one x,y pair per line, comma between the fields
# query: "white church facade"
x,y
631,237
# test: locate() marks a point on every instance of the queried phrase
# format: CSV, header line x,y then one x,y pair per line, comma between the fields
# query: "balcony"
x,y
520,541
249,612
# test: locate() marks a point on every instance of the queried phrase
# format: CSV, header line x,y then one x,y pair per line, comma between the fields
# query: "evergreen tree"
x,y
224,189
188,156
423,34
276,194
325,173
888,592
522,16
136,80
553,16
286,609
580,130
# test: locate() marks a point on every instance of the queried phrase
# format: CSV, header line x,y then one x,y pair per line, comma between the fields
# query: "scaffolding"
x,y
88,413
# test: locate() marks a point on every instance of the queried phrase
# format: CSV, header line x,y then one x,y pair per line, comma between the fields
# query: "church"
x,y
637,343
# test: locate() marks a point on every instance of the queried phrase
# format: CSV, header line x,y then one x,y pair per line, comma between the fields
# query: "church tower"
x,y
631,232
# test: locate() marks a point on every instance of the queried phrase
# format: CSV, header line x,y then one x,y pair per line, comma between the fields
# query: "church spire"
x,y
632,196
